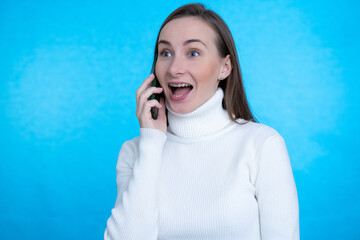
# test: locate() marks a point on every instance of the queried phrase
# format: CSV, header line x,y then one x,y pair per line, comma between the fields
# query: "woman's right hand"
x,y
144,105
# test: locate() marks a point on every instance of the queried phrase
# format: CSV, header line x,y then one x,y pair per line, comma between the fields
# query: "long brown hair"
x,y
234,101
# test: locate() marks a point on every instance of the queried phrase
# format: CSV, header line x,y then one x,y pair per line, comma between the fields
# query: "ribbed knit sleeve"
x,y
135,214
276,192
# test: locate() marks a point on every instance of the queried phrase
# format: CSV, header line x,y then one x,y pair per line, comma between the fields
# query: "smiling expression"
x,y
189,67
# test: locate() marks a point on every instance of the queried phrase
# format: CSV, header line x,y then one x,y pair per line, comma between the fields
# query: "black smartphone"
x,y
155,83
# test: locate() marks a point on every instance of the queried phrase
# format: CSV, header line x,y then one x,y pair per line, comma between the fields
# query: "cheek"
x,y
207,73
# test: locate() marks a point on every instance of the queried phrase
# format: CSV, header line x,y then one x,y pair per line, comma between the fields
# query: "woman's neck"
x,y
205,120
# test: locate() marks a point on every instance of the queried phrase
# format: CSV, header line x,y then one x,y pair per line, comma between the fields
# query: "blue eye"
x,y
165,54
193,54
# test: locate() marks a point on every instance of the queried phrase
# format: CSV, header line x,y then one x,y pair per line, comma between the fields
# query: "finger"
x,y
145,97
144,85
148,92
148,105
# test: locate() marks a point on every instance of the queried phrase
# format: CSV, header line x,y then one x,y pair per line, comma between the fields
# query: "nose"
x,y
177,66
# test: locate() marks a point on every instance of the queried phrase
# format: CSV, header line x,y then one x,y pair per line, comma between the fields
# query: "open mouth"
x,y
179,91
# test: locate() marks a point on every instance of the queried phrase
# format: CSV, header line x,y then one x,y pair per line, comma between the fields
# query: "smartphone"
x,y
155,83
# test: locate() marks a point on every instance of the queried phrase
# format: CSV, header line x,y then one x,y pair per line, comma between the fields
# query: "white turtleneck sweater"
x,y
208,178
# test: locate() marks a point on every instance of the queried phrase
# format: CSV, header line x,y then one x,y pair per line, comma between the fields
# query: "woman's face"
x,y
189,66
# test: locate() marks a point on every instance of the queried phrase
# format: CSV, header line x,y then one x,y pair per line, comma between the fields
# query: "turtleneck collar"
x,y
207,119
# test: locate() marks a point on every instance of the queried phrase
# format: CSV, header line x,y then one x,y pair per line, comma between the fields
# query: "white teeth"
x,y
179,85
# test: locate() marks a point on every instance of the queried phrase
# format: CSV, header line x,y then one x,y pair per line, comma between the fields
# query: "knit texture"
x,y
207,178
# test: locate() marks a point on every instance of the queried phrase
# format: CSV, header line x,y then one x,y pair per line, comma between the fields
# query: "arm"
x,y
135,213
276,192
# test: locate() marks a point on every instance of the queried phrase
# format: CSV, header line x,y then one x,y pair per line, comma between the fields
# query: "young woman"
x,y
212,172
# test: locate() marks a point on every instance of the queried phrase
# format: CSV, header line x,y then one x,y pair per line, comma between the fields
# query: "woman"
x,y
212,172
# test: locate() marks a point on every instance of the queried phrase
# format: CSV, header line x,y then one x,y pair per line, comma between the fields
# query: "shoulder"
x,y
148,141
128,152
130,144
256,134
265,145
256,130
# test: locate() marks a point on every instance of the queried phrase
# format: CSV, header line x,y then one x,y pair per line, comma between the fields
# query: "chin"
x,y
181,109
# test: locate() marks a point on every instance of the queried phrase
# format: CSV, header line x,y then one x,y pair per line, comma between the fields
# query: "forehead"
x,y
182,29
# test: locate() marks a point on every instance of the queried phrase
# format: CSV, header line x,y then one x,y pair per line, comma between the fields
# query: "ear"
x,y
226,68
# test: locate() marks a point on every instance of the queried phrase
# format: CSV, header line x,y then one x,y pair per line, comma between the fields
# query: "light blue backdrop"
x,y
68,76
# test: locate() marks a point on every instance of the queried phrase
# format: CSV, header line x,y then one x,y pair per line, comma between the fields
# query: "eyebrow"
x,y
185,43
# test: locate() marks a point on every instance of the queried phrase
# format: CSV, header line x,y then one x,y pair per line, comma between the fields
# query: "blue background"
x,y
68,75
